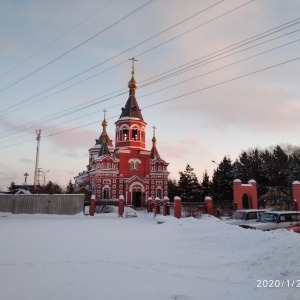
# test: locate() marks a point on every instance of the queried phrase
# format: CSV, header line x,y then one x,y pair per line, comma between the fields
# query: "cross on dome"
x,y
153,130
104,123
133,60
132,83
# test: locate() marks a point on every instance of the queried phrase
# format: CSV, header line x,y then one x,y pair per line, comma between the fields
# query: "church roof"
x,y
103,149
104,140
109,141
131,109
154,152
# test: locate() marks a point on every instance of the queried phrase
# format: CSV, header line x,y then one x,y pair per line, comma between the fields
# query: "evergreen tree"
x,y
173,189
205,186
189,186
12,189
70,188
294,166
52,188
280,167
222,182
276,167
250,165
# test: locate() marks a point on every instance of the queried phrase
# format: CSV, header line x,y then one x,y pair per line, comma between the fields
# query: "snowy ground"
x,y
46,257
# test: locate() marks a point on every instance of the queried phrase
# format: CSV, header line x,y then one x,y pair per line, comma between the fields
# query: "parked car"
x,y
244,216
271,220
295,228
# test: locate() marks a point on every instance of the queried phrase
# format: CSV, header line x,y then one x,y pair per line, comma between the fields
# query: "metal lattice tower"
x,y
36,173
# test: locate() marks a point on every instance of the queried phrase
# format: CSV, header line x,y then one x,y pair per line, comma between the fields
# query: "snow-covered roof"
x,y
22,192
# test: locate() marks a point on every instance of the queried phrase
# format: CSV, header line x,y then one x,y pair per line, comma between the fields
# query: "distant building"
x,y
23,189
127,168
23,192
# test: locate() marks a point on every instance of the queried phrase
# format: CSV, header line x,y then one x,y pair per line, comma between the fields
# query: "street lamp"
x,y
214,162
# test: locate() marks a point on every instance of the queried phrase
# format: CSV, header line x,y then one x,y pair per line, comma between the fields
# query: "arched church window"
x,y
159,193
125,134
135,134
106,193
137,166
131,165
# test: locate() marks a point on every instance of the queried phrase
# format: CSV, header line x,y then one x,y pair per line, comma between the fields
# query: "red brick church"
x,y
127,168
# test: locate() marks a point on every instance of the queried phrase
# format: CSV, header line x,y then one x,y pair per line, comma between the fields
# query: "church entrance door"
x,y
136,199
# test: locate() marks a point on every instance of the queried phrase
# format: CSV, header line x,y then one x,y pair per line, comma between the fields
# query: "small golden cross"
x,y
133,60
153,130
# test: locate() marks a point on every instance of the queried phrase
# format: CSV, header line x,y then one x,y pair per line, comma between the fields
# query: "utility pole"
x,y
39,175
36,173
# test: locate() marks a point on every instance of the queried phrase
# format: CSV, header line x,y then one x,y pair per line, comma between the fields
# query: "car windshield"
x,y
238,215
268,217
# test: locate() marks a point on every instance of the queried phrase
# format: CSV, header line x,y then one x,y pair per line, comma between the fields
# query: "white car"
x,y
244,216
275,220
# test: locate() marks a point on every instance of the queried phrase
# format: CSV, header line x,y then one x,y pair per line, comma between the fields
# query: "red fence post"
x,y
149,204
121,206
156,206
296,195
165,205
177,207
92,205
209,205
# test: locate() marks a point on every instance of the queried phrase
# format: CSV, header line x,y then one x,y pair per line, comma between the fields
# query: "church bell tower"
x,y
131,127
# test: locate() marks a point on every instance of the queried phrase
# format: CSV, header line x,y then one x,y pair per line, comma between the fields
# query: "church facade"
x,y
126,168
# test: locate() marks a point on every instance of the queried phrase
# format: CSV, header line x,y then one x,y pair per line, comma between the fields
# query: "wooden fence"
x,y
42,204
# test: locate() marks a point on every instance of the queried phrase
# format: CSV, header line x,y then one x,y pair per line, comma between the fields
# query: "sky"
x,y
214,77
135,258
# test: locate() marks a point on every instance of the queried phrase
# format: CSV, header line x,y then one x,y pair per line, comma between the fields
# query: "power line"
x,y
209,60
220,68
124,93
54,93
223,82
103,62
168,75
181,82
170,99
62,114
56,39
77,46
177,72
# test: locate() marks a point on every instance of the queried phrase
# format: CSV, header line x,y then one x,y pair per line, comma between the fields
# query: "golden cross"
x,y
153,130
133,60
104,110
